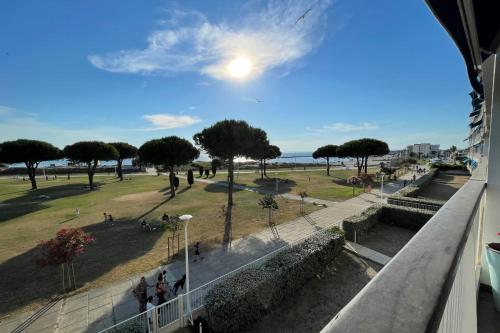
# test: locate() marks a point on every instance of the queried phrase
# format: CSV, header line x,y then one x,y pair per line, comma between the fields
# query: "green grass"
x,y
121,250
315,182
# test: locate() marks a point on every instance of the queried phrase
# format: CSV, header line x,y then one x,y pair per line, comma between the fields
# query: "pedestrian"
x,y
179,284
414,177
160,290
197,251
404,183
150,307
141,294
105,217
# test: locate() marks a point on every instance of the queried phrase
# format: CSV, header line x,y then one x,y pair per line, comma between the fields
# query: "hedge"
x,y
244,298
405,217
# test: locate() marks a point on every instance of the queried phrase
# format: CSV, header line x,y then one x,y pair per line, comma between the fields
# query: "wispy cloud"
x,y
271,37
5,110
344,127
204,83
192,107
163,121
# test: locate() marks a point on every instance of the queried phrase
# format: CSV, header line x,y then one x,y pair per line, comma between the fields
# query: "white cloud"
x,y
344,127
188,42
204,83
162,121
192,107
5,110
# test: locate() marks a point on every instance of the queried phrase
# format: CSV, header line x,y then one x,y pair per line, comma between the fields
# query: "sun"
x,y
239,67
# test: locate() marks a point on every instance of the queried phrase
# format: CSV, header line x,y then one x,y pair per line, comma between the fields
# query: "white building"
x,y
423,150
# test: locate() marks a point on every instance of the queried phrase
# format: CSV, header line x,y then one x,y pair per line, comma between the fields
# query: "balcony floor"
x,y
488,319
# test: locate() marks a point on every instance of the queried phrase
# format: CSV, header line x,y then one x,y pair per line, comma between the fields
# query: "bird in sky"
x,y
303,15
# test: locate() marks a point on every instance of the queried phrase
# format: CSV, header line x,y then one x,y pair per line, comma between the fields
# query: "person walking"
x,y
141,294
160,290
197,251
414,178
150,307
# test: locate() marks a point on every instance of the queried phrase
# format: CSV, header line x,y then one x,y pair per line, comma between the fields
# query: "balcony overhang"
x,y
474,27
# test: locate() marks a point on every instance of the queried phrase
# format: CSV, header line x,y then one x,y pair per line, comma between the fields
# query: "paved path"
x,y
100,308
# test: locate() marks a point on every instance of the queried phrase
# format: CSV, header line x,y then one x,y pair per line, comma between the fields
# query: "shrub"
x,y
445,167
406,217
176,182
200,170
190,177
243,298
207,172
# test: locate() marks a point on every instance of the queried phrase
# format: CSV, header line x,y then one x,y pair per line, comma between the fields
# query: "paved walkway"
x,y
100,308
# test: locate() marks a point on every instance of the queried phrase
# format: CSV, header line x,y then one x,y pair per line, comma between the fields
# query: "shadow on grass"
x,y
219,187
33,201
114,245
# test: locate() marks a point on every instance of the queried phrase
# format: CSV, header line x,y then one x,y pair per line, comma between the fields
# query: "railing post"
x,y
154,319
180,303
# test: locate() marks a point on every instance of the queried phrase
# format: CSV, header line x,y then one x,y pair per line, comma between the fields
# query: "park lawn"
x,y
121,250
314,182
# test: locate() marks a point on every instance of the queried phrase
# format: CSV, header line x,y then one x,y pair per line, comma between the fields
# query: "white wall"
x,y
491,83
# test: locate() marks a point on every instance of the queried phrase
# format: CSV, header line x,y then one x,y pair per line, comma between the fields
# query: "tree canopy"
x,y
326,152
125,151
90,153
169,151
228,139
29,152
361,149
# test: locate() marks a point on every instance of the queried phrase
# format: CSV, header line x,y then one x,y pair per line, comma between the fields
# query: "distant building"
x,y
423,150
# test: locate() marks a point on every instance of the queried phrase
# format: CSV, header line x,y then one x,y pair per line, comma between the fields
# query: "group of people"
x,y
163,291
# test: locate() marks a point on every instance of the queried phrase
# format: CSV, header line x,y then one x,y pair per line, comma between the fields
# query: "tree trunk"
x,y
262,169
32,175
328,166
228,222
366,165
360,166
119,169
171,177
265,169
90,171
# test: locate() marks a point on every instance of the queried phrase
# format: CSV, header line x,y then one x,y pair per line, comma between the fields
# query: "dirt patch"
x,y
321,299
150,195
443,186
388,239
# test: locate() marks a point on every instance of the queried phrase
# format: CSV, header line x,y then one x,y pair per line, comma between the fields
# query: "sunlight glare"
x,y
239,67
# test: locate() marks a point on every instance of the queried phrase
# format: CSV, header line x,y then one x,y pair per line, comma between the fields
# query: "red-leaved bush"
x,y
68,244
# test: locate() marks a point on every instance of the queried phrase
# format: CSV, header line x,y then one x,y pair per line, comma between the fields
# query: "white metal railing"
x,y
174,312
137,323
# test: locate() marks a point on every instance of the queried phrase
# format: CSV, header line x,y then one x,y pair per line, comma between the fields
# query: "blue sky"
x,y
137,70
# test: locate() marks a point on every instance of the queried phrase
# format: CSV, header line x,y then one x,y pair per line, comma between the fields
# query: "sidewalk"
x,y
100,308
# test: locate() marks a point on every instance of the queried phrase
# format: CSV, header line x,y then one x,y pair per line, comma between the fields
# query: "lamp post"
x,y
186,219
382,187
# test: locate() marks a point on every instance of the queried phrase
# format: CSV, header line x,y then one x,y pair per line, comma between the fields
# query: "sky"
x,y
138,70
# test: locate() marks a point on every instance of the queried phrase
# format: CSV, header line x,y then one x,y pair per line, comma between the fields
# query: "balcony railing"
x,y
431,284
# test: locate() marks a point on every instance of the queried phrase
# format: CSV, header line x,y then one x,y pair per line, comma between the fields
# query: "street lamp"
x,y
186,219
382,187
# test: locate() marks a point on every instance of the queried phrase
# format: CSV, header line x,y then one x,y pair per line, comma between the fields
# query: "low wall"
x,y
63,171
406,197
357,227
